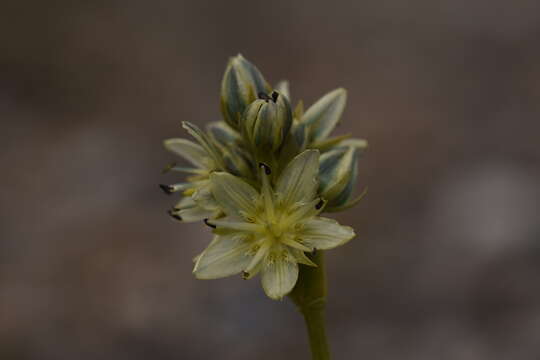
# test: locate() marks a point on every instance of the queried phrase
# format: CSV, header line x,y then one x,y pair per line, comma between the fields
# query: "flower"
x,y
269,231
205,157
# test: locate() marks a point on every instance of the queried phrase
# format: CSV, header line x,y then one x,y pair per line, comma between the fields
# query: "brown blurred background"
x,y
446,264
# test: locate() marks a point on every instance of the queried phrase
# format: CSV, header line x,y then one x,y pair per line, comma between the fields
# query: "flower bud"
x,y
241,84
267,122
338,172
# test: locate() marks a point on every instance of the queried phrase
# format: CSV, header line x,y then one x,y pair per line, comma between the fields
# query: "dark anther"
x,y
319,204
264,96
245,275
173,215
274,96
209,224
167,189
266,168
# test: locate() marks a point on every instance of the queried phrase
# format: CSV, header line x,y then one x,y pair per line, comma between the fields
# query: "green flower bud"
x,y
267,122
241,84
338,173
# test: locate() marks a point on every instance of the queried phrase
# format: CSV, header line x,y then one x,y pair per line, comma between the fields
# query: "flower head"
x,y
269,230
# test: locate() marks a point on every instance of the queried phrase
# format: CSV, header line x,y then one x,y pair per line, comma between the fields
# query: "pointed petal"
x,y
299,181
222,133
360,144
196,213
236,197
336,171
323,233
190,151
278,278
185,203
283,88
324,115
349,204
224,257
204,141
204,197
301,258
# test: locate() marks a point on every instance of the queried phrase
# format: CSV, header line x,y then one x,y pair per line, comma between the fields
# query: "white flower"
x,y
197,203
269,231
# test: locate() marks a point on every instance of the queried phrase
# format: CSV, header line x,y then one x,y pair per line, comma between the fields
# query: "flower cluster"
x,y
261,177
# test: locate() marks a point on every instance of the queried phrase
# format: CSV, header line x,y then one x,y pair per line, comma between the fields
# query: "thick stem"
x,y
309,295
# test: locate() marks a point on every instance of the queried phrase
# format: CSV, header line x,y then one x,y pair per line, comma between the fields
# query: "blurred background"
x,y
446,263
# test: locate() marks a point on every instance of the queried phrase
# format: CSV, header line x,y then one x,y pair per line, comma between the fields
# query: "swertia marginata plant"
x,y
261,178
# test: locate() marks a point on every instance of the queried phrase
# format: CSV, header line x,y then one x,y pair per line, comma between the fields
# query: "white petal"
x,y
190,151
205,142
299,181
225,256
196,213
323,233
204,197
236,197
283,88
279,278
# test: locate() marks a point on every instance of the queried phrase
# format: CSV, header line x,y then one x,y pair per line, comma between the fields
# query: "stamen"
x,y
294,244
275,96
266,191
174,215
238,225
266,168
209,224
261,252
167,189
320,204
264,96
245,275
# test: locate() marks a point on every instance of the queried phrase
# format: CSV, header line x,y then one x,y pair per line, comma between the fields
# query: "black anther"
x,y
209,224
266,168
167,189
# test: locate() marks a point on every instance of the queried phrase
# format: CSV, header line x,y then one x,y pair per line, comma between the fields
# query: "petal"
x,y
222,133
225,256
283,88
323,233
190,151
204,197
336,171
360,144
204,141
196,213
278,278
324,115
301,258
235,196
299,181
184,203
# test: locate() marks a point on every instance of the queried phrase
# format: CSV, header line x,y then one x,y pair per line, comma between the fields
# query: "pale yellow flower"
x,y
269,231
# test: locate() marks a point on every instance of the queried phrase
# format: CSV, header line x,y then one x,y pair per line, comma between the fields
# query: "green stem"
x,y
309,295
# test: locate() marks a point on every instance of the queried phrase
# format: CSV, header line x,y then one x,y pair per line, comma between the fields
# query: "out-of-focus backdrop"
x,y
447,258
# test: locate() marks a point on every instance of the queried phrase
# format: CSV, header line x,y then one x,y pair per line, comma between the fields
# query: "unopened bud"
x,y
242,82
267,121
